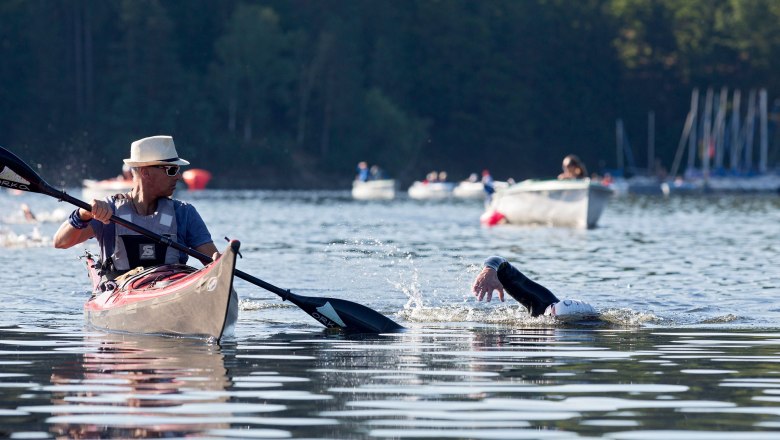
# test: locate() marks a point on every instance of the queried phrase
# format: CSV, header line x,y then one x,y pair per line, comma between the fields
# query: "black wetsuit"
x,y
532,295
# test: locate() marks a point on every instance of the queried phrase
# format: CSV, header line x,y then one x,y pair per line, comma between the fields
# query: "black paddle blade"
x,y
345,315
15,174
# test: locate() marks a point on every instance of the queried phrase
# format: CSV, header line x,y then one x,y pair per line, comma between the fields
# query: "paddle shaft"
x,y
284,294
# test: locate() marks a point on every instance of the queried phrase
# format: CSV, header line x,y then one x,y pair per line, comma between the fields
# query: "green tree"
x,y
255,72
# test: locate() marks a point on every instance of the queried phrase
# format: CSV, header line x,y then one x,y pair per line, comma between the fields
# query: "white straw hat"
x,y
155,150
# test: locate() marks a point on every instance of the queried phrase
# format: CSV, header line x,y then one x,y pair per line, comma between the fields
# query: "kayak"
x,y
171,299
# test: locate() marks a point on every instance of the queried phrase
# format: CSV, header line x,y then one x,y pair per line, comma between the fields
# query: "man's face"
x,y
159,180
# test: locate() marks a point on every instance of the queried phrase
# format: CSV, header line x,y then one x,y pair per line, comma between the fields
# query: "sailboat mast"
x,y
749,130
651,143
736,147
720,128
693,137
705,160
620,138
764,141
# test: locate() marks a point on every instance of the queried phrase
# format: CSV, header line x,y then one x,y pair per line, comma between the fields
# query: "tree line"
x,y
293,93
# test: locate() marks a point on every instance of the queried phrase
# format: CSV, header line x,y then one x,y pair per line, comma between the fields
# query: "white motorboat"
x,y
570,203
431,190
475,190
373,189
100,189
469,190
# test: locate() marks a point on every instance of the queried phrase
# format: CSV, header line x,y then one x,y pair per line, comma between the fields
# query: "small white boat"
x,y
569,203
373,189
469,190
475,190
431,190
100,189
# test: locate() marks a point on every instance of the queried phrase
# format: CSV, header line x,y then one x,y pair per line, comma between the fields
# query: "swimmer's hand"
x,y
486,283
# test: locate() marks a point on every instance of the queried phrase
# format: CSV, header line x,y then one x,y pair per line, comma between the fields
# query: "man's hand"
x,y
101,211
485,283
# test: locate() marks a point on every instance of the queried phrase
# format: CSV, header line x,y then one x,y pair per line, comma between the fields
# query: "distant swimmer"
x,y
498,275
28,214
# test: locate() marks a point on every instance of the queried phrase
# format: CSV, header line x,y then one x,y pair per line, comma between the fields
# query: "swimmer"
x,y
500,276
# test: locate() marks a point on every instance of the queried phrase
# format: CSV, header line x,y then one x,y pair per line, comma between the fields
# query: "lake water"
x,y
689,347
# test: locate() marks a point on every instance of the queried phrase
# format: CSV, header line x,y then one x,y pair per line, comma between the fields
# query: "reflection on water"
x,y
443,382
120,378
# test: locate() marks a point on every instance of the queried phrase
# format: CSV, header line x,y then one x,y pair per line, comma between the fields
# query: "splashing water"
x,y
11,239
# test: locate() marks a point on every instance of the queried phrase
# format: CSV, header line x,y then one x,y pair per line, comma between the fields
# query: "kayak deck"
x,y
174,300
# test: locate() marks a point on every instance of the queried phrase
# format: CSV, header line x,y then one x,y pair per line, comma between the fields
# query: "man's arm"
x,y
76,228
197,235
208,249
68,236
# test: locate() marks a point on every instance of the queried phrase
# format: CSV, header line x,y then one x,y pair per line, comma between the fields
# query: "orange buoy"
x,y
196,179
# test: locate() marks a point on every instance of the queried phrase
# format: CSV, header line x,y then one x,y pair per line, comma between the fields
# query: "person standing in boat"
x,y
573,168
498,275
362,172
155,166
488,186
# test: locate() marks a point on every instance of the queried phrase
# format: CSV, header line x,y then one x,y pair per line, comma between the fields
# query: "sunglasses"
x,y
170,170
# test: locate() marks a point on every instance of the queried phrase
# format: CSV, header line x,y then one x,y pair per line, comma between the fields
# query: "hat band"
x,y
173,159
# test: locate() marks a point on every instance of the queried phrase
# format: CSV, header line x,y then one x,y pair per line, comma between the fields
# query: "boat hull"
x,y
374,190
567,203
469,190
199,304
475,190
431,191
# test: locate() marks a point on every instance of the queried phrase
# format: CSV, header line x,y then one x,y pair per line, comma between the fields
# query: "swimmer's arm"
x,y
495,262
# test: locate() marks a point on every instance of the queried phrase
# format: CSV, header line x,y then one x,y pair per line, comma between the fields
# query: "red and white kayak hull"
x,y
200,304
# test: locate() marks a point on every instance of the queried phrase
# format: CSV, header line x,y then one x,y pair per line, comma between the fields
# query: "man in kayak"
x,y
155,166
498,275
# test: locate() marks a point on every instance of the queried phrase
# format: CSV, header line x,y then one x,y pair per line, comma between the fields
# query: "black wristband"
x,y
76,221
495,263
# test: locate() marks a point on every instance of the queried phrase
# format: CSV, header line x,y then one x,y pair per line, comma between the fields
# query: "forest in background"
x,y
293,93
